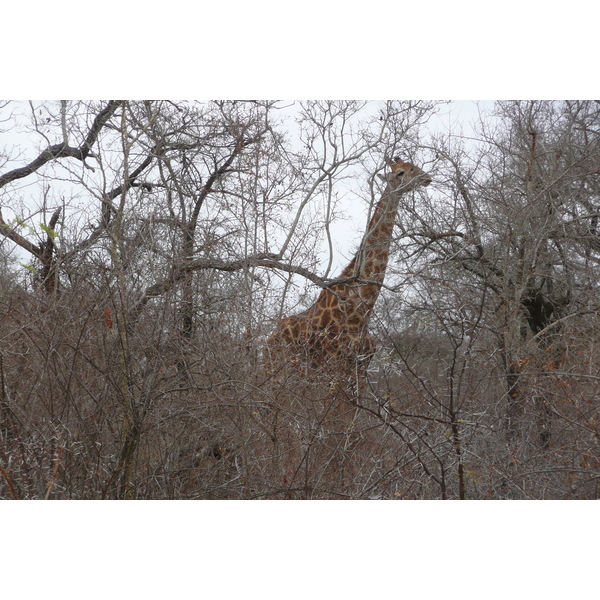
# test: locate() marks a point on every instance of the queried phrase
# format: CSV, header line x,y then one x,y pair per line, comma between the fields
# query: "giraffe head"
x,y
405,176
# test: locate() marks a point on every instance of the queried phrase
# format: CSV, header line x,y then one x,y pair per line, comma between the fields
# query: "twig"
x,y
13,493
57,462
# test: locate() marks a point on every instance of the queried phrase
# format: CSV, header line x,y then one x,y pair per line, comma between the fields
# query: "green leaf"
x,y
30,268
49,230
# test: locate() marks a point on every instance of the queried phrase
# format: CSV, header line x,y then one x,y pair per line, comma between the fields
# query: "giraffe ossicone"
x,y
333,333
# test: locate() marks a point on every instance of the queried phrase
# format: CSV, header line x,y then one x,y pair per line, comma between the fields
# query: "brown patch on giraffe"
x,y
370,266
368,291
294,329
325,319
354,321
381,254
337,314
349,270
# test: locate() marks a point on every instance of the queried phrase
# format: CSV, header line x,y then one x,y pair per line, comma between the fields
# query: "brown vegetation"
x,y
148,250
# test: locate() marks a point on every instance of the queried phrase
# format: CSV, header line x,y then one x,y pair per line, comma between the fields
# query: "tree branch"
x,y
7,231
266,260
101,119
63,150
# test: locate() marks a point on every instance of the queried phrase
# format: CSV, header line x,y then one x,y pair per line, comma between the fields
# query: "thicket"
x,y
149,248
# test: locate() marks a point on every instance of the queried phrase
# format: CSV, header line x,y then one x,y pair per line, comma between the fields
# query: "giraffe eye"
x,y
399,173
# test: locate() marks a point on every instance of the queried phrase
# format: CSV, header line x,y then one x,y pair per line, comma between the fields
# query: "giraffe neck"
x,y
369,262
371,259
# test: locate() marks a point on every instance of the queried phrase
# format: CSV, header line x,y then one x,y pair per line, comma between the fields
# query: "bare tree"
x,y
149,248
504,262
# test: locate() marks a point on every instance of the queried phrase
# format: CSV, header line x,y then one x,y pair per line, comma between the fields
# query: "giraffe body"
x,y
333,333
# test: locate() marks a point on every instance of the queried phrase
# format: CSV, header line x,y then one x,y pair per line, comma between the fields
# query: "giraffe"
x,y
333,334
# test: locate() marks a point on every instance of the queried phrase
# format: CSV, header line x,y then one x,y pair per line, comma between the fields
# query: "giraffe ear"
x,y
382,177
